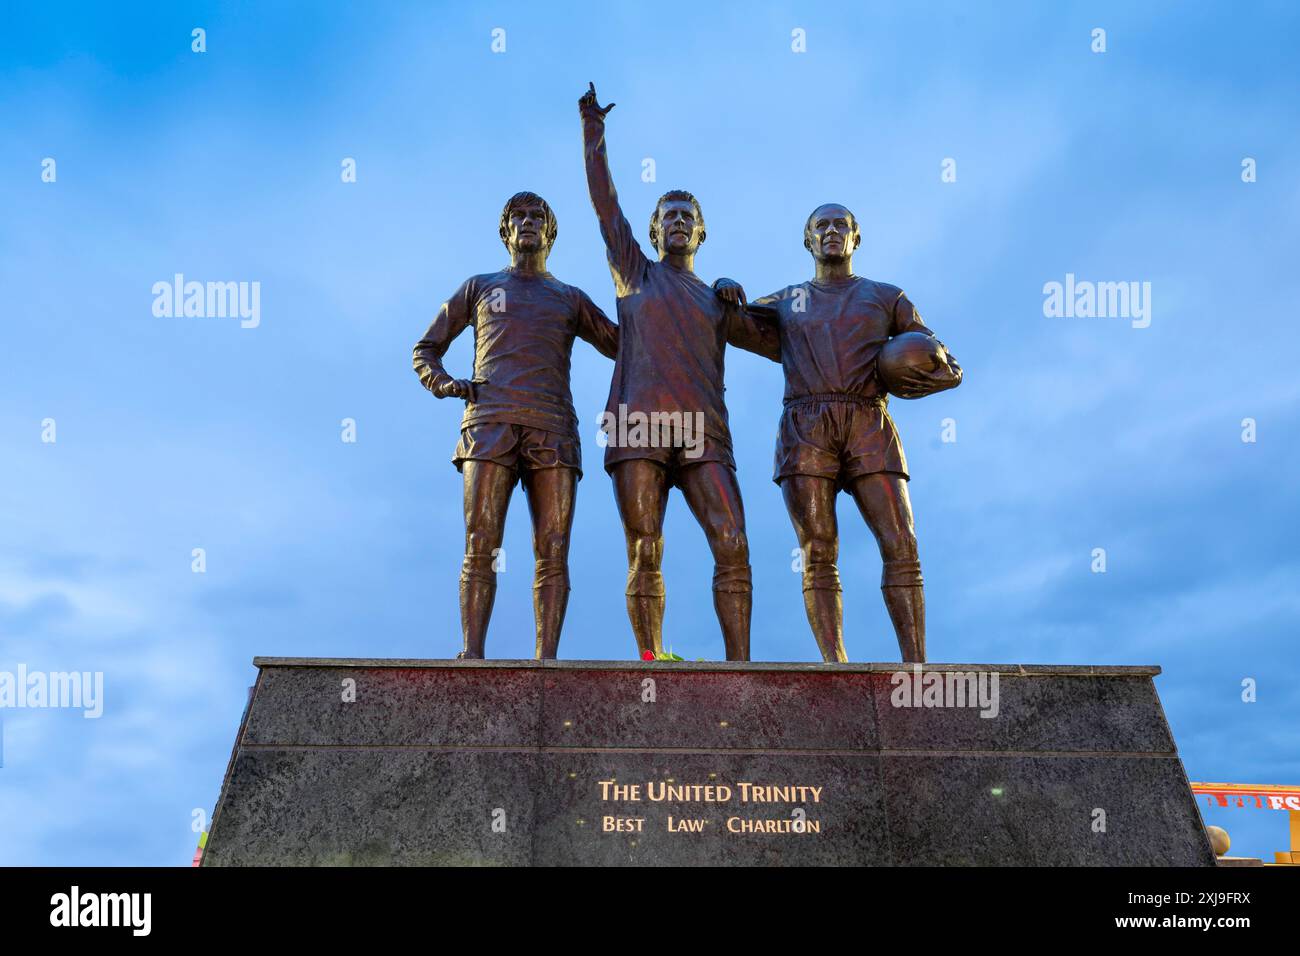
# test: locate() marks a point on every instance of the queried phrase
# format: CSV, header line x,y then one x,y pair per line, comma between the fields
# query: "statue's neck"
x,y
528,263
834,270
684,263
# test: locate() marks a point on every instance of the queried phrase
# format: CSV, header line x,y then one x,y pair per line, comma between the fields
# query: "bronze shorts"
x,y
520,448
839,438
674,458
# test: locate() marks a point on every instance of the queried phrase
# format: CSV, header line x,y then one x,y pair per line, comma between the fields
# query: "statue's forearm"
x,y
600,184
429,367
427,356
755,328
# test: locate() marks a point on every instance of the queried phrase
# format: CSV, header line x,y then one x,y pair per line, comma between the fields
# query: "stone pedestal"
x,y
417,762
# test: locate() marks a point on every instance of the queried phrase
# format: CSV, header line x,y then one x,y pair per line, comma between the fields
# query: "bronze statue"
x,y
666,422
836,432
519,422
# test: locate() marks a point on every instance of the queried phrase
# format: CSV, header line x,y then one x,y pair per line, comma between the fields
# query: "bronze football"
x,y
911,350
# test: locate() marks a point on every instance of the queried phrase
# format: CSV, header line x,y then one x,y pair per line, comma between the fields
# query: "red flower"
x,y
647,655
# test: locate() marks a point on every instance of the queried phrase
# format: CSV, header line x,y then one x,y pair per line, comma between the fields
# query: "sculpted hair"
x,y
679,194
552,228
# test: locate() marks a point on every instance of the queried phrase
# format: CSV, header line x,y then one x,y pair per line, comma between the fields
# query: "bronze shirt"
x,y
831,333
524,327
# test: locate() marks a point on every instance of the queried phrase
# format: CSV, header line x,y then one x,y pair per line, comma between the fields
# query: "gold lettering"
x,y
685,826
610,790
741,825
621,824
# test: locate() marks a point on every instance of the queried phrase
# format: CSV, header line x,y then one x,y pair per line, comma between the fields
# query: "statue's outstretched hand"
x,y
587,103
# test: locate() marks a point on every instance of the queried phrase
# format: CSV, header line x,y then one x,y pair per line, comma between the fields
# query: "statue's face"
x,y
680,232
526,228
832,233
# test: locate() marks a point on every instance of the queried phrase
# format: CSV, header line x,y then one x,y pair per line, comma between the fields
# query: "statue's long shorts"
x,y
837,437
520,448
668,451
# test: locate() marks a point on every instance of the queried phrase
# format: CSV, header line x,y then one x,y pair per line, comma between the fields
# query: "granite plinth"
x,y
416,762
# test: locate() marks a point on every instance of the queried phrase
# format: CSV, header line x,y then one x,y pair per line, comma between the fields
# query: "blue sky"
x,y
1072,434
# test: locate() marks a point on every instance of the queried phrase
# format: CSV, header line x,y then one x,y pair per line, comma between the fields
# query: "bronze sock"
x,y
906,605
733,600
645,610
824,605
478,591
